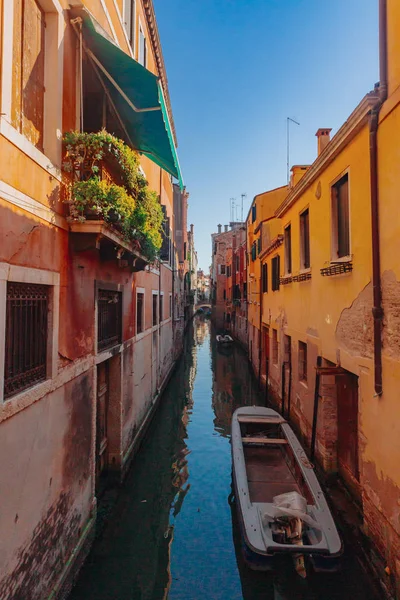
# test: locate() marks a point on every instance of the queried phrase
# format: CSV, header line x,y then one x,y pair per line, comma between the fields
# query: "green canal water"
x,y
170,531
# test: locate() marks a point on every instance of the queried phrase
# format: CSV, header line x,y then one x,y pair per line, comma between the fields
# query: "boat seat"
x,y
263,440
258,420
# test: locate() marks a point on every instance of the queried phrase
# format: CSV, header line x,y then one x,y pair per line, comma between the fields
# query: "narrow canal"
x,y
171,532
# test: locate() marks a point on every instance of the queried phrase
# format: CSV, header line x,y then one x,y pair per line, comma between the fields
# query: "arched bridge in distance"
x,y
202,305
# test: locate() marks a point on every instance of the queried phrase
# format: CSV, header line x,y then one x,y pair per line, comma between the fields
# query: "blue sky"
x,y
237,69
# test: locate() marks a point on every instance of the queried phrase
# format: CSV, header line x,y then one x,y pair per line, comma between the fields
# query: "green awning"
x,y
137,96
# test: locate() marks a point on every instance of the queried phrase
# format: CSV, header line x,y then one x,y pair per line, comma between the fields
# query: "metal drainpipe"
x,y
377,310
260,333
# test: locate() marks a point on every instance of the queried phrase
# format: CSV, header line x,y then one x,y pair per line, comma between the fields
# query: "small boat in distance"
x,y
281,506
224,339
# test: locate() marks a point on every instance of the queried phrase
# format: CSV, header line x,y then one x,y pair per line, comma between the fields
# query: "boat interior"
x,y
271,466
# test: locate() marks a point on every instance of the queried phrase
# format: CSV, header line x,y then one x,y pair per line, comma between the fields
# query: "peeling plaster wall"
x,y
44,509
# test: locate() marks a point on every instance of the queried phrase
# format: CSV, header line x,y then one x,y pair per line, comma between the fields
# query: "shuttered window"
x,y
275,273
304,240
265,278
139,312
27,105
340,217
288,249
154,309
142,48
302,361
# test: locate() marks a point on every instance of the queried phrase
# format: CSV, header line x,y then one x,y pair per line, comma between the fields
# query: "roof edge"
x,y
346,132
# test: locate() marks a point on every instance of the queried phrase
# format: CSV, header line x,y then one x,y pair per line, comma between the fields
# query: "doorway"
x,y
347,420
103,391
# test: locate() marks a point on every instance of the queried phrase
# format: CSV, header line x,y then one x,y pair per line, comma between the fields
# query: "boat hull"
x,y
323,556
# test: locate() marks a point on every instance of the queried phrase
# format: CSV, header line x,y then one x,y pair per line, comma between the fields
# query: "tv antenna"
x,y
288,120
241,214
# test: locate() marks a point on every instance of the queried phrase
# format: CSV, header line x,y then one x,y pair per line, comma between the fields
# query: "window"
x,y
109,318
129,20
304,240
288,350
288,249
215,247
170,305
26,336
303,361
155,309
275,348
254,251
245,291
161,305
253,213
142,48
259,245
340,218
224,294
237,263
265,278
222,269
28,83
139,312
275,273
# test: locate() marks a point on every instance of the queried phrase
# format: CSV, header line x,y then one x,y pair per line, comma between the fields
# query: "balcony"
x,y
111,209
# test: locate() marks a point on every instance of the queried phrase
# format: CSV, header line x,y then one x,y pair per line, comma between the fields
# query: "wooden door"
x,y
101,418
347,414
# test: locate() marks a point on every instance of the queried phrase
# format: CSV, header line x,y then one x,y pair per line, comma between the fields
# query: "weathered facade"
x,y
91,333
222,244
261,211
330,309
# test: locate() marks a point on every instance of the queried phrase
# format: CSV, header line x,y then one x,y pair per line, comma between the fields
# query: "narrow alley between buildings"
x,y
171,531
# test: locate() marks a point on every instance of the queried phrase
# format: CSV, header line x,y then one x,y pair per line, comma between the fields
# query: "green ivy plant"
x,y
132,207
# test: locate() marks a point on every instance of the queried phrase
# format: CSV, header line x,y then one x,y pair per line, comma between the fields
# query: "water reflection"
x,y
131,558
172,533
233,384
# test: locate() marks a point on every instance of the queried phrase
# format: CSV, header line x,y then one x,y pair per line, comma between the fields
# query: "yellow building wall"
x,y
393,23
333,315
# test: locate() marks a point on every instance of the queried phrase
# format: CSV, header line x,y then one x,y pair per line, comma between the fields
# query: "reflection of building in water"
x,y
233,386
202,330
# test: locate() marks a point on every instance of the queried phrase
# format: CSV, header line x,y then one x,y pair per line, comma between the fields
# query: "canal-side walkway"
x,y
171,531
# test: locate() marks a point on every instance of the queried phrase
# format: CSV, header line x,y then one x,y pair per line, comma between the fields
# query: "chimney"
x,y
219,228
226,228
191,229
324,138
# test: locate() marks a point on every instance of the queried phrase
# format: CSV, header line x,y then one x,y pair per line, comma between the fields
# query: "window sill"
x,y
23,144
342,259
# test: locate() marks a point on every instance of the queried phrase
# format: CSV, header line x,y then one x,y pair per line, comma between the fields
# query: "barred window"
x,y
302,361
109,319
26,336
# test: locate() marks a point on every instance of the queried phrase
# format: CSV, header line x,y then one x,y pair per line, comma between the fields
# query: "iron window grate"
x,y
109,319
26,336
